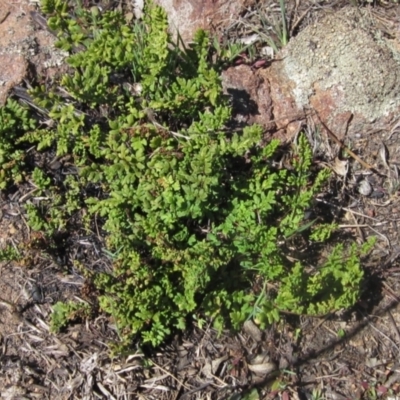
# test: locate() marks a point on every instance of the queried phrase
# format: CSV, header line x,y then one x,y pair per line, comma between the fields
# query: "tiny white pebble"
x,y
365,188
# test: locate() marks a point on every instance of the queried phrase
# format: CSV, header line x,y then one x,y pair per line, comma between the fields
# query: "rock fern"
x,y
196,215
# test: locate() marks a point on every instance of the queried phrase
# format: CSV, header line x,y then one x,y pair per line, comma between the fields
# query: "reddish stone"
x,y
250,94
187,16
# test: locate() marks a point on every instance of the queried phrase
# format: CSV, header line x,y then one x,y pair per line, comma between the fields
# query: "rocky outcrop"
x,y
340,68
189,15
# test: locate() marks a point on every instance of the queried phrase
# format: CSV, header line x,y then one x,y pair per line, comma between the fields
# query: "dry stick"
x,y
354,226
203,386
386,203
360,232
171,375
178,392
383,334
394,325
390,260
382,235
12,308
27,227
347,209
391,292
346,149
294,26
151,117
360,214
5,17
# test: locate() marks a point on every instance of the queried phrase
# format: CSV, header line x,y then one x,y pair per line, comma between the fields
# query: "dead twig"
x,y
360,214
360,232
390,260
295,25
396,329
346,149
381,235
171,375
150,115
381,333
5,17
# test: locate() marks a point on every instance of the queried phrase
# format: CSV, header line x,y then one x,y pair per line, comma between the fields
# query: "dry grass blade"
x,y
150,115
395,129
128,369
359,214
384,154
43,324
346,149
155,379
381,333
393,322
74,383
105,391
157,387
169,374
35,338
381,235
298,20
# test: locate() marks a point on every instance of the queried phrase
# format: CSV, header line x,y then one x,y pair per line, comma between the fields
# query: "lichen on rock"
x,y
342,64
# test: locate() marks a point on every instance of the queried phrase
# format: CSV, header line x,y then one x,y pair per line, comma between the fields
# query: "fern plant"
x,y
195,214
64,313
14,120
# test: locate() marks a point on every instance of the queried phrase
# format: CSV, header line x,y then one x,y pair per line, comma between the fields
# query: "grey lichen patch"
x,y
56,57
342,53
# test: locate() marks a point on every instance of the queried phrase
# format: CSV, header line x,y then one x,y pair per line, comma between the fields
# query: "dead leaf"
x,y
340,167
252,330
210,368
263,369
89,363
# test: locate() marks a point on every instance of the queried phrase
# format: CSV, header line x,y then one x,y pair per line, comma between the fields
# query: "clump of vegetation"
x,y
64,313
9,253
196,215
14,121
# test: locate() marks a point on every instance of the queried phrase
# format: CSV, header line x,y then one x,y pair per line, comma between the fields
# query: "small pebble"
x,y
365,188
